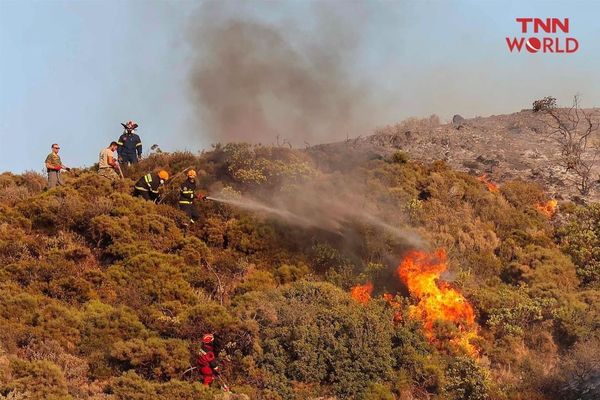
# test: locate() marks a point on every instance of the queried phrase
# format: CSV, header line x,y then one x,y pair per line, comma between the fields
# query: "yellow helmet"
x,y
191,173
164,175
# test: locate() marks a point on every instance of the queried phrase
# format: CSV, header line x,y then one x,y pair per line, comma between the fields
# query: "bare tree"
x,y
573,129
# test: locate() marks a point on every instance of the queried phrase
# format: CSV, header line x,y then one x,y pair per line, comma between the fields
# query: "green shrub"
x,y
580,238
465,380
38,380
152,358
103,326
321,336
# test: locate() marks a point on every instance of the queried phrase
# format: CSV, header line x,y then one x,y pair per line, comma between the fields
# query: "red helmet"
x,y
208,338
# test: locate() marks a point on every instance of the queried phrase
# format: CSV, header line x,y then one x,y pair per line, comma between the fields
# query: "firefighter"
x,y
130,144
107,165
187,196
207,360
147,186
53,166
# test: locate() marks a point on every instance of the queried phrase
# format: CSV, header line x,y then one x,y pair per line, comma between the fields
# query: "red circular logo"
x,y
533,45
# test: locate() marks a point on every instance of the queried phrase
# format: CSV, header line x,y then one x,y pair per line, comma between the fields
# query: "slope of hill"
x,y
385,279
514,146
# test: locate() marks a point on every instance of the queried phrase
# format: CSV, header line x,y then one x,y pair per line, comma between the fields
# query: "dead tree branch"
x,y
572,129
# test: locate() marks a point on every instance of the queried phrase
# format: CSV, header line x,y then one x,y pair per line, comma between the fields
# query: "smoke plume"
x,y
261,82
331,203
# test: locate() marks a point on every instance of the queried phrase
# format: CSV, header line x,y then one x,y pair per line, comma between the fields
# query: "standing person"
x,y
107,165
207,360
147,186
187,196
130,144
53,166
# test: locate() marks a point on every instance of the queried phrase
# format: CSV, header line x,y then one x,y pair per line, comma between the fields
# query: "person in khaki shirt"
x,y
53,166
107,165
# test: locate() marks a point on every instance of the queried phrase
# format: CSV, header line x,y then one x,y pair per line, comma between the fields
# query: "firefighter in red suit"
x,y
207,360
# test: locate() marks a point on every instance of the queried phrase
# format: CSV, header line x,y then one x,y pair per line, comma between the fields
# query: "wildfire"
x,y
437,301
492,187
362,293
548,208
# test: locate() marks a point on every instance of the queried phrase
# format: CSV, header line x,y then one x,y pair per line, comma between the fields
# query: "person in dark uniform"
x,y
187,195
147,186
130,144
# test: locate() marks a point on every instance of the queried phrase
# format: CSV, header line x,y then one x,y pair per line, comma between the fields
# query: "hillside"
x,y
505,147
346,271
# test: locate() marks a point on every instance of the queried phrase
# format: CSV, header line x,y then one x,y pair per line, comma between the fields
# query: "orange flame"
x,y
548,208
437,301
362,293
492,187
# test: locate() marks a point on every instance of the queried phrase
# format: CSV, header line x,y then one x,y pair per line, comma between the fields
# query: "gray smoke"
x,y
254,81
331,204
259,82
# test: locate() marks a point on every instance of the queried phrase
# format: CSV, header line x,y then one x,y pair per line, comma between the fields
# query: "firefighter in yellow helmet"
x,y
147,186
187,195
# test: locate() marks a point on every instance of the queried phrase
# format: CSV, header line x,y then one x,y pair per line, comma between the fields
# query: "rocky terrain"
x,y
505,147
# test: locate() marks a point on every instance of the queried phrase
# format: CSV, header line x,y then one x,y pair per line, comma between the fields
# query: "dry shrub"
x,y
410,125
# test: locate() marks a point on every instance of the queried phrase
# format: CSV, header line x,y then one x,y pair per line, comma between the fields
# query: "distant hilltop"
x,y
505,147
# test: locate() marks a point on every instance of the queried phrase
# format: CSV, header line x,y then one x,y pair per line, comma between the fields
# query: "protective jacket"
x,y
130,144
187,192
207,363
148,184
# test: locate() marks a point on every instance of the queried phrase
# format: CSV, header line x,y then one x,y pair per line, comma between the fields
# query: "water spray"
x,y
307,221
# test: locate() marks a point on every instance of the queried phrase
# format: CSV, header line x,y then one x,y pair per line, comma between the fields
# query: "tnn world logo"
x,y
551,36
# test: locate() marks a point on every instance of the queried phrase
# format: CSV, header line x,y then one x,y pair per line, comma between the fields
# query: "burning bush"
x,y
491,186
362,293
437,300
547,208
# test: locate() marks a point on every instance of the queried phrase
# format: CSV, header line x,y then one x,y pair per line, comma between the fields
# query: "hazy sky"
x,y
71,71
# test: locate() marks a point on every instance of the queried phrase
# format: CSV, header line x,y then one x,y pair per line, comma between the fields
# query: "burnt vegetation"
x,y
574,130
104,296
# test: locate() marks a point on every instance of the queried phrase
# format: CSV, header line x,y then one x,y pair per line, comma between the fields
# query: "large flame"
x,y
362,293
437,301
492,187
548,208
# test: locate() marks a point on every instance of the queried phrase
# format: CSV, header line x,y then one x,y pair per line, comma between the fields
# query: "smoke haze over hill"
x,y
253,81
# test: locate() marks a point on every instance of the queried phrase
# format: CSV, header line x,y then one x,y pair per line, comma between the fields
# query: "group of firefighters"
x,y
129,150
